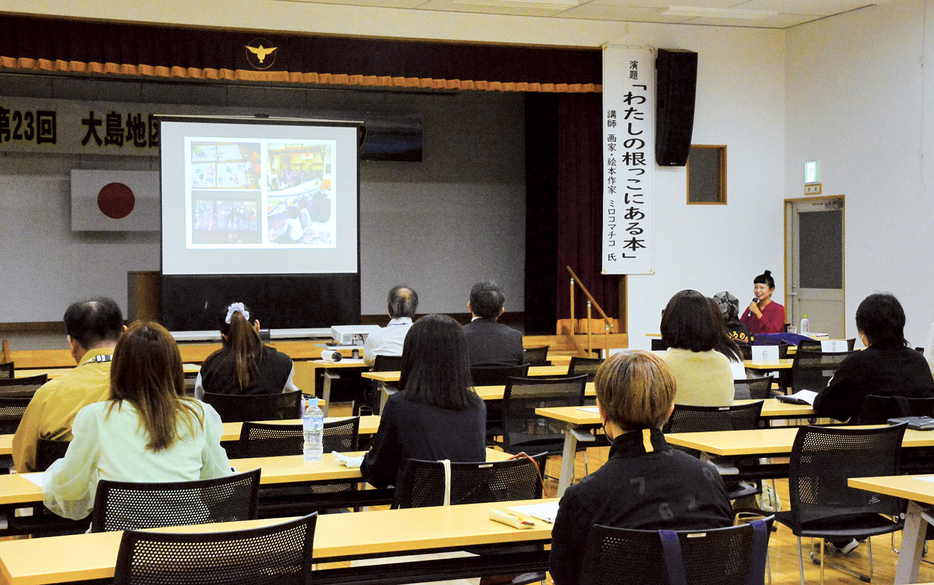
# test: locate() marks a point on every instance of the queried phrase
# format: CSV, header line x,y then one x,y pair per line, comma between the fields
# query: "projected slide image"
x,y
225,165
221,220
297,167
305,219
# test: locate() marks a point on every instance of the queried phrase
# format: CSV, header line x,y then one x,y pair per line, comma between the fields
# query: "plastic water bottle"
x,y
805,326
313,430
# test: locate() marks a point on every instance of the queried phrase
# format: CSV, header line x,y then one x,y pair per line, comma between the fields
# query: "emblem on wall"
x,y
260,53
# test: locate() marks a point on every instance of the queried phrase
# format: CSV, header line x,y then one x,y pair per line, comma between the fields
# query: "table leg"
x,y
326,389
909,556
567,461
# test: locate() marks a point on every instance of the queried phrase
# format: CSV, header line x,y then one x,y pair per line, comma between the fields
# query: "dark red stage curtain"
x,y
580,202
78,46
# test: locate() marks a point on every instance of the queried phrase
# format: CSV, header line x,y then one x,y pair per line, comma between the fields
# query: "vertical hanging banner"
x,y
628,159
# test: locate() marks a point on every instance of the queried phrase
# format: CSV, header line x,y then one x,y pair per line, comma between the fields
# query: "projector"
x,y
351,334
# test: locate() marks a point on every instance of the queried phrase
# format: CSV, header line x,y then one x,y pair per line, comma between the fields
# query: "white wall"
x,y
857,99
740,104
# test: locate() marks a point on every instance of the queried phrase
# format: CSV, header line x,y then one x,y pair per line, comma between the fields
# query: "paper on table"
x,y
35,478
546,512
352,462
926,478
592,409
800,397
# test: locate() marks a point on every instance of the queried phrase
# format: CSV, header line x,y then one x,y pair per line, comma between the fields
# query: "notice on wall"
x,y
629,159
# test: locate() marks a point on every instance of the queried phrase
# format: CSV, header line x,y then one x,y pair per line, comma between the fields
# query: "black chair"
x,y
48,451
471,483
582,365
659,344
22,387
274,440
812,370
753,388
536,356
11,412
823,506
123,505
523,430
6,370
368,395
496,375
239,408
719,556
280,554
693,419
878,409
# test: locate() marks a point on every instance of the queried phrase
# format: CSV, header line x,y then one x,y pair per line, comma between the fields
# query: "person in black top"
x,y
490,343
887,366
244,365
436,415
645,484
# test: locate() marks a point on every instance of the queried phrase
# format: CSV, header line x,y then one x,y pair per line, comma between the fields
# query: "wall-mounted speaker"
x,y
675,89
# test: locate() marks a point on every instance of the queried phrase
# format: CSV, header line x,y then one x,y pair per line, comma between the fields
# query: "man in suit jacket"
x,y
490,343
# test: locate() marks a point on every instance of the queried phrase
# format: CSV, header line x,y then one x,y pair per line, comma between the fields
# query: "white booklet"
x,y
546,512
799,397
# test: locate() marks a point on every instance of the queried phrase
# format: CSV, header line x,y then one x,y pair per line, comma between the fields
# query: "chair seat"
x,y
843,526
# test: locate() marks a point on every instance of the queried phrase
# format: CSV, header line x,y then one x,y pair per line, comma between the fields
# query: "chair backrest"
x,y
720,556
525,430
273,440
824,458
387,363
536,356
582,365
695,419
239,408
809,345
280,554
6,370
878,409
123,505
471,483
22,387
496,375
48,451
658,344
11,412
754,388
812,370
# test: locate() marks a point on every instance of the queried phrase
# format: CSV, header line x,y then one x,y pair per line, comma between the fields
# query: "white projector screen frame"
x,y
225,215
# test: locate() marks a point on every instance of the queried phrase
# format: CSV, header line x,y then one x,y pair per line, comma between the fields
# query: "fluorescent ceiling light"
x,y
541,4
718,12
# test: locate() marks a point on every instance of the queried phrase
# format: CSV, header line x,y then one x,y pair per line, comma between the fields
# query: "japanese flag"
x,y
115,201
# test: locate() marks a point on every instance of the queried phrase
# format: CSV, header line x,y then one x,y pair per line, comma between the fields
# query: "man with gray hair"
x,y
401,303
93,328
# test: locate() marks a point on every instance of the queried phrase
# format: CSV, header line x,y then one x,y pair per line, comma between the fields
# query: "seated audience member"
x,y
763,315
688,328
436,415
490,343
148,431
244,365
726,345
929,347
401,304
93,328
645,484
887,366
729,308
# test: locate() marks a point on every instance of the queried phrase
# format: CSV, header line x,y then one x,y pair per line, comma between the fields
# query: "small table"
x,y
919,491
330,374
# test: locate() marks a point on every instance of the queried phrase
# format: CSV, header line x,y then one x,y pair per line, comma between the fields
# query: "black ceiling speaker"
x,y
675,89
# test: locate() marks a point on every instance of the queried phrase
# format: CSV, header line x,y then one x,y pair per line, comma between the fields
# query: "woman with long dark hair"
x,y
244,365
436,414
148,431
691,333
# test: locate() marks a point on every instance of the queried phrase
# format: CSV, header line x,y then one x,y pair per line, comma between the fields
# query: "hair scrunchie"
x,y
236,308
